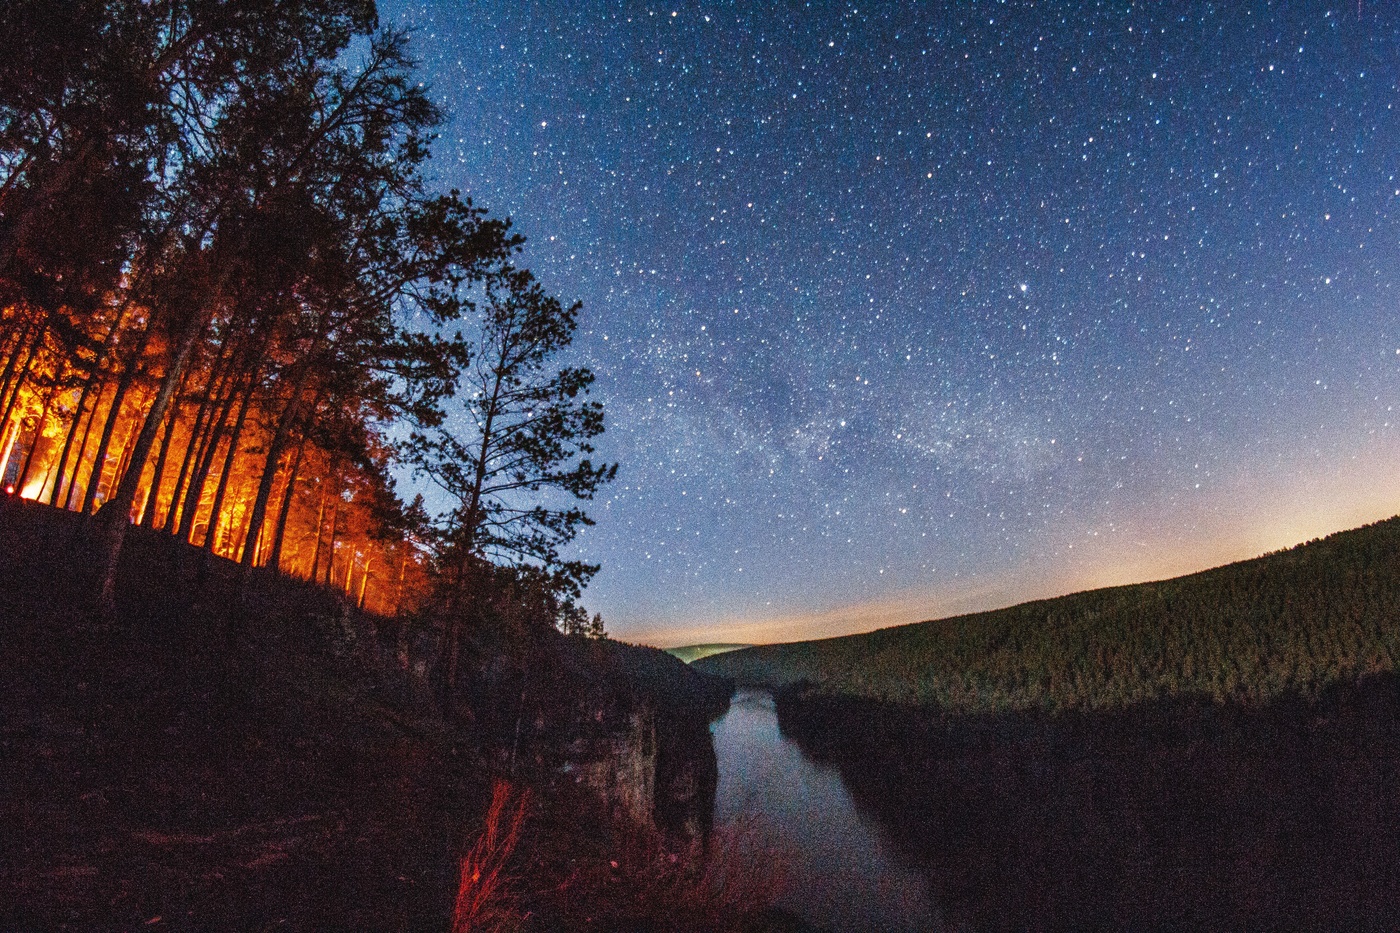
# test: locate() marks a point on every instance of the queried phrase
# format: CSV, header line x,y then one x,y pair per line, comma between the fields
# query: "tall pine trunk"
x,y
274,559
13,401
235,436
364,583
115,515
82,449
290,414
99,459
320,524
335,527
34,444
209,445
148,514
95,379
212,386
62,464
9,393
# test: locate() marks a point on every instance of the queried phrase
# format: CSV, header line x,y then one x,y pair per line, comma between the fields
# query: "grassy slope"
x,y
1287,622
692,653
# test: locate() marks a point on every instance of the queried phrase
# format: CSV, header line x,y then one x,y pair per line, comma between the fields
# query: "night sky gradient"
x,y
902,310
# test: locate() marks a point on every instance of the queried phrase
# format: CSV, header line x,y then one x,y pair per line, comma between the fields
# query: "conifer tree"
x,y
522,437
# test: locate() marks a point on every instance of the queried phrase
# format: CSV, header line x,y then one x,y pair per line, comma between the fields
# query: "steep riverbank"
x,y
241,754
1175,815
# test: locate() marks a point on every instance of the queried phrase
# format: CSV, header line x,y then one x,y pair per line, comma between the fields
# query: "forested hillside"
x,y
231,302
689,653
1293,621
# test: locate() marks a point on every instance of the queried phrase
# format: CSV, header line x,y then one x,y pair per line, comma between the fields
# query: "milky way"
x,y
904,311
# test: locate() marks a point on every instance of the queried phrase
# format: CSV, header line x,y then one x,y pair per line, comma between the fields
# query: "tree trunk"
x,y
472,523
290,414
274,559
335,524
68,441
229,459
94,378
10,437
240,534
364,582
172,512
15,326
148,514
82,449
403,573
21,345
34,444
13,397
123,458
398,610
99,459
11,405
215,431
111,533
320,523
10,393
123,461
212,386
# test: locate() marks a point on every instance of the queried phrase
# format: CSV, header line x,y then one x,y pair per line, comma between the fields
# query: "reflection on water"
x,y
843,875
1162,818
1167,817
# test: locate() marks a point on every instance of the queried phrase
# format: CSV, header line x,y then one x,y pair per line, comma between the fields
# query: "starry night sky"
x,y
910,309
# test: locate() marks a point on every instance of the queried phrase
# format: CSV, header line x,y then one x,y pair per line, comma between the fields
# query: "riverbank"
x,y
250,753
1174,815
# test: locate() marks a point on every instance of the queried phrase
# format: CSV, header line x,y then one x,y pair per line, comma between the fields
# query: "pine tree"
x,y
524,434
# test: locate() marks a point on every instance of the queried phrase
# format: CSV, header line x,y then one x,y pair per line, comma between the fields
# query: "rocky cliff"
x,y
630,723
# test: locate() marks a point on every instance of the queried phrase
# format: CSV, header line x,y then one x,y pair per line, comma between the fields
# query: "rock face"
x,y
621,767
651,767
628,722
686,775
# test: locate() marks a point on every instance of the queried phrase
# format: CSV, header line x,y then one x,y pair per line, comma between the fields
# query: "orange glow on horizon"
x,y
1245,522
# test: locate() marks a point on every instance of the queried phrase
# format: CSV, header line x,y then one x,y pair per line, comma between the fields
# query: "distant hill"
x,y
695,652
1292,621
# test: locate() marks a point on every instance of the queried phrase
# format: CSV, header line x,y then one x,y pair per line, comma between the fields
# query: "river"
x,y
1164,817
842,873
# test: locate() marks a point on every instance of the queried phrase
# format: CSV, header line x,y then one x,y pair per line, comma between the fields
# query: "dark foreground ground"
x,y
248,755
174,773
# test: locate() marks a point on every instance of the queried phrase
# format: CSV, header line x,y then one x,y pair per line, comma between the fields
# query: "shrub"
x,y
716,885
485,903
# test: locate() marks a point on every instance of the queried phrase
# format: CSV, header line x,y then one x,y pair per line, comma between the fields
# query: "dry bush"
x,y
712,885
738,871
485,903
